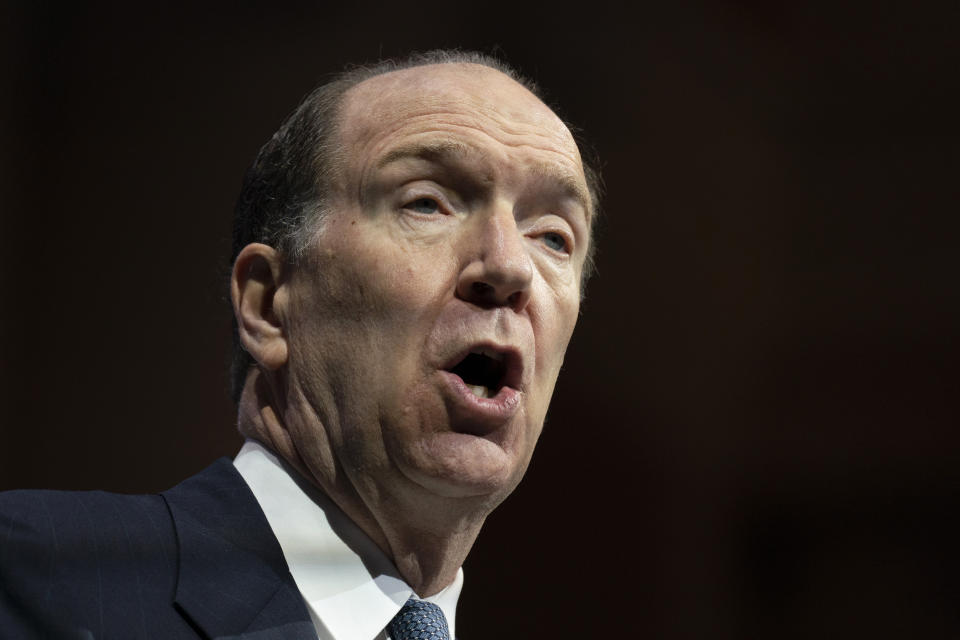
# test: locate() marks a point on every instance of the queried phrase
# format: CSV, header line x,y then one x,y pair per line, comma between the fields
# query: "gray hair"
x,y
283,196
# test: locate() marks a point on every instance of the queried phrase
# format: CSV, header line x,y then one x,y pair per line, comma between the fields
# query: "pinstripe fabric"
x,y
198,561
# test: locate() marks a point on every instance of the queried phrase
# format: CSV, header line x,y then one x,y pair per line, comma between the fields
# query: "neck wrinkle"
x,y
426,559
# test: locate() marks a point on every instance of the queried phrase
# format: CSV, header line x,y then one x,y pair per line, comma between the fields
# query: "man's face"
x,y
429,321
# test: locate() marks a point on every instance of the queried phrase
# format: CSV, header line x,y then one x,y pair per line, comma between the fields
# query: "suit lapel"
x,y
232,577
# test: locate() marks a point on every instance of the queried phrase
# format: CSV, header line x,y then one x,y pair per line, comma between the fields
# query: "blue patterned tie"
x,y
419,620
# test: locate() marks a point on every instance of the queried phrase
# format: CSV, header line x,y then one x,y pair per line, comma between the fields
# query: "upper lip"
x,y
509,356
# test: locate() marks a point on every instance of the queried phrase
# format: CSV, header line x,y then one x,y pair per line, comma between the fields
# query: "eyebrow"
x,y
433,151
443,150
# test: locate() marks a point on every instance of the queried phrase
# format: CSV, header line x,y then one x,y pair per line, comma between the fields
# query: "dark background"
x,y
756,432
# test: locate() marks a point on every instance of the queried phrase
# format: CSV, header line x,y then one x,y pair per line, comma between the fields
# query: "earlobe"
x,y
256,290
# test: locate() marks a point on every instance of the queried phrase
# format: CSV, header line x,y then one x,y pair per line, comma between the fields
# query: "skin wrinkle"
x,y
453,126
416,180
437,151
459,163
505,137
422,111
369,416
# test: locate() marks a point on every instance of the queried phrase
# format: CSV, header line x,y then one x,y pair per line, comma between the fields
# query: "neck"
x,y
427,539
428,554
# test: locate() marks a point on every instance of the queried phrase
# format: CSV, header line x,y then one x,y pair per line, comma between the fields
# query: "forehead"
x,y
467,104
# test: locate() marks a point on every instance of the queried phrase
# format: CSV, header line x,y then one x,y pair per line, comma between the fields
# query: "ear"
x,y
258,295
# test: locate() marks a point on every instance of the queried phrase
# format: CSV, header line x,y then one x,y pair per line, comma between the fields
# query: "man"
x,y
409,254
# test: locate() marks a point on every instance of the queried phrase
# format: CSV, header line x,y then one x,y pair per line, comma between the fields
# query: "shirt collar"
x,y
351,587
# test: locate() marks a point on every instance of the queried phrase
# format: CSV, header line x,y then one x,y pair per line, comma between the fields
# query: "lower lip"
x,y
485,414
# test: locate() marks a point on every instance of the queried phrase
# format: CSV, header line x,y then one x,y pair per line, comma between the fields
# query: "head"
x,y
410,309
284,194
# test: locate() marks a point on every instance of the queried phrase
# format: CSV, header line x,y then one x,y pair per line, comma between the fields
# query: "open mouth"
x,y
484,371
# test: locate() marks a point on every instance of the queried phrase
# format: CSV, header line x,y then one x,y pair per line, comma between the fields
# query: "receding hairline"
x,y
422,71
421,68
578,186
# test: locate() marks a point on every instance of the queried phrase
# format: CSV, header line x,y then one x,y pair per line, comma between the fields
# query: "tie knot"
x,y
419,620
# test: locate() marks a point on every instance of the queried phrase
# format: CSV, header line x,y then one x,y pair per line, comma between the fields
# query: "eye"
x,y
423,205
555,241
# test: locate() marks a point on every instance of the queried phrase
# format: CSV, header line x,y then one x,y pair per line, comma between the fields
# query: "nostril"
x,y
482,288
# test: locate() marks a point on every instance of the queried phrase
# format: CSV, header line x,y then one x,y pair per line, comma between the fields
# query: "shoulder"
x,y
67,555
57,520
93,564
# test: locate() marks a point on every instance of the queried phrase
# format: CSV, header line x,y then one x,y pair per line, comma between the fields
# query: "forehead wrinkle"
x,y
448,117
381,117
447,145
435,150
450,150
447,125
551,139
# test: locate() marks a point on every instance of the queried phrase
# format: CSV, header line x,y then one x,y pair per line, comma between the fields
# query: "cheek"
x,y
556,326
393,278
369,304
553,327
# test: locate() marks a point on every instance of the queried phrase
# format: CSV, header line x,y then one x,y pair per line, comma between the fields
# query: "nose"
x,y
498,271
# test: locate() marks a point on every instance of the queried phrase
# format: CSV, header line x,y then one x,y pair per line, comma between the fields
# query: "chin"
x,y
460,465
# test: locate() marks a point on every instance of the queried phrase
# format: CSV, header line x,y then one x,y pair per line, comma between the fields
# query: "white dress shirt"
x,y
351,588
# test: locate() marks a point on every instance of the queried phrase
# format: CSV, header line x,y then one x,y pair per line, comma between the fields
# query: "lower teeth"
x,y
479,390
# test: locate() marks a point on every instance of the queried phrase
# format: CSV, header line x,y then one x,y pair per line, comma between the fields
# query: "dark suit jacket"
x,y
197,561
